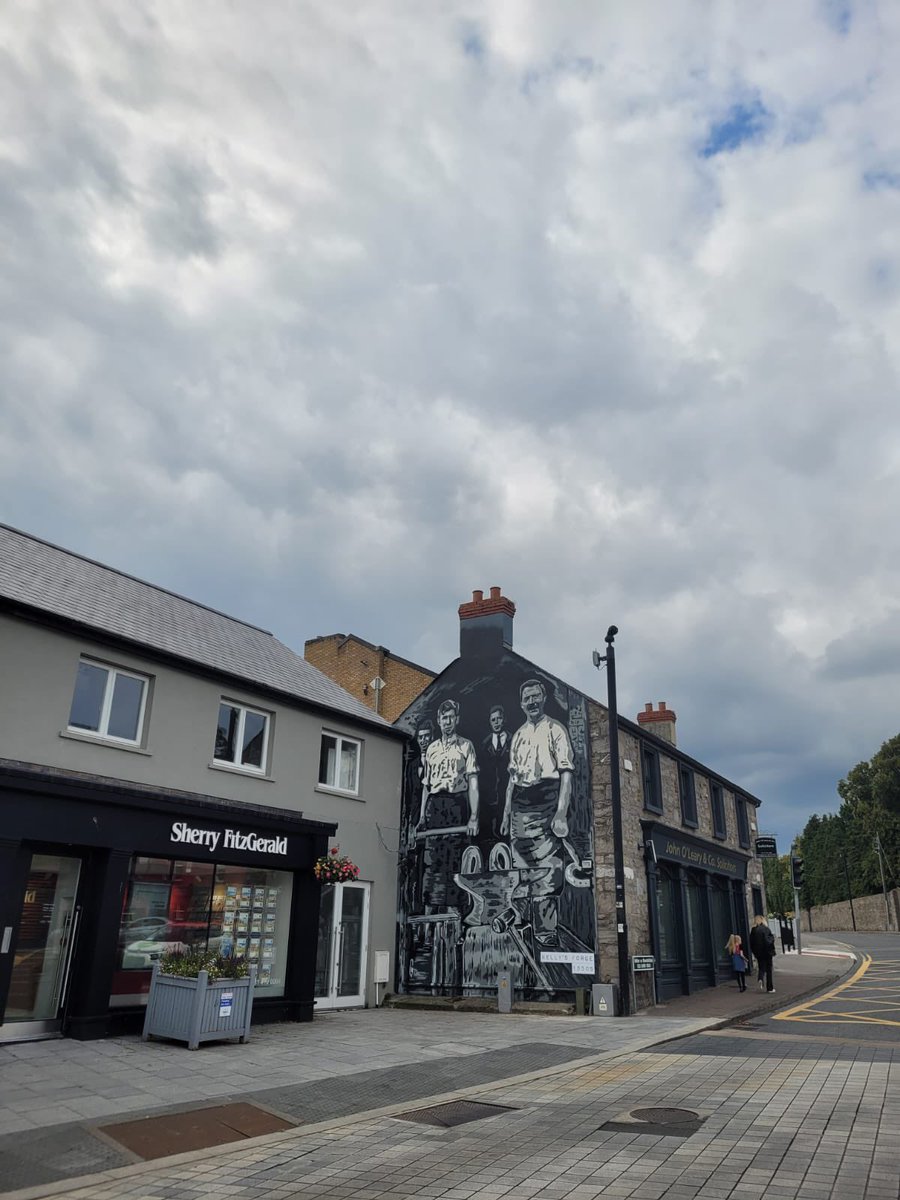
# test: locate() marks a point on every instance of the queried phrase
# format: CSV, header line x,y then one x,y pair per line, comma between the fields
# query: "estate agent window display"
x,y
174,904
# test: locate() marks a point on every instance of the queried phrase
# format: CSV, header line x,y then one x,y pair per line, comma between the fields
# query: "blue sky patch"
x,y
837,14
746,122
878,178
473,45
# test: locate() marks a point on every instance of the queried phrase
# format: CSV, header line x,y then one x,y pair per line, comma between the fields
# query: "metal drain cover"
x,y
665,1116
660,1122
454,1112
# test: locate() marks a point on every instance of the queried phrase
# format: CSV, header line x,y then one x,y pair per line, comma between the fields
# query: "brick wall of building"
x,y
354,664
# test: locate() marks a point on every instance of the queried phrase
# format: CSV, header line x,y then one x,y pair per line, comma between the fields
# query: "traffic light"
x,y
797,872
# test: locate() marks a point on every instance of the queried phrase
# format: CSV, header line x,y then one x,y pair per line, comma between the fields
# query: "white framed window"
x,y
242,736
339,762
109,702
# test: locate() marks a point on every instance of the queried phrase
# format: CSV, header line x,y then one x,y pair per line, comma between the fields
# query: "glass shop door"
x,y
343,946
44,945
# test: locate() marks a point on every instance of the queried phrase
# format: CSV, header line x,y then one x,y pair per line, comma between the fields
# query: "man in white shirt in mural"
x,y
536,815
449,802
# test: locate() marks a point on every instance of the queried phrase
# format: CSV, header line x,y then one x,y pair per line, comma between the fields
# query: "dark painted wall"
x,y
517,895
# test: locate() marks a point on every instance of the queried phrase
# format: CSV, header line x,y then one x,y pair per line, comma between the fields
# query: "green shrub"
x,y
188,964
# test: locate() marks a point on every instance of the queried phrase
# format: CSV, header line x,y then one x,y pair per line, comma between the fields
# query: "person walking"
x,y
762,947
738,961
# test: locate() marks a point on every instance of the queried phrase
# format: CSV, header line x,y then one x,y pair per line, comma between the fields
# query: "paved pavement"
x,y
780,1118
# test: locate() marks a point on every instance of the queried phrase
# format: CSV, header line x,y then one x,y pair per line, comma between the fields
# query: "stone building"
x,y
383,681
506,835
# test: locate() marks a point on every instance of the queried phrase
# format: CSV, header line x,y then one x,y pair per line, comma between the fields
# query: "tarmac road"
x,y
863,1007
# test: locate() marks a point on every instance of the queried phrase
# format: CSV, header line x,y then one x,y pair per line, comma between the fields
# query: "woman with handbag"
x,y
762,947
738,961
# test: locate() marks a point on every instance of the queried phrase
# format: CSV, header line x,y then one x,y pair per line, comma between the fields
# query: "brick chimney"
x,y
660,721
486,625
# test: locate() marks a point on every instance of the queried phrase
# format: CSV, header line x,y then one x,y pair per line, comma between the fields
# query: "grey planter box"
x,y
195,1010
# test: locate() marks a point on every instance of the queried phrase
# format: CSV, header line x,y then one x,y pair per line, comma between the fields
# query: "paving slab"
x,y
329,1076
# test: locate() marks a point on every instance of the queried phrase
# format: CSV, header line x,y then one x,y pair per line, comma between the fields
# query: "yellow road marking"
x,y
809,1006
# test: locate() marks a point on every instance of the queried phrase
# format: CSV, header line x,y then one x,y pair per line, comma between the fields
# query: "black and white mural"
x,y
496,844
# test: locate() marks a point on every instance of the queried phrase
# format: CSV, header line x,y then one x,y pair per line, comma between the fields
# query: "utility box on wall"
x,y
604,999
382,969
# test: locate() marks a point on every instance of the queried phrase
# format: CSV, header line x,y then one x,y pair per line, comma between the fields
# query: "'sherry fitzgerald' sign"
x,y
231,839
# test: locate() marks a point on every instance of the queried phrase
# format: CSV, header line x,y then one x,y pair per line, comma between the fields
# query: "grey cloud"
x,y
865,652
325,322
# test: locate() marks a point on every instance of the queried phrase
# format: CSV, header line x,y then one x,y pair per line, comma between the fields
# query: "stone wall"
x,y
636,890
868,911
636,903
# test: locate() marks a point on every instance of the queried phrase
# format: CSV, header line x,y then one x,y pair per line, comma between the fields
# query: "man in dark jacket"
x,y
762,947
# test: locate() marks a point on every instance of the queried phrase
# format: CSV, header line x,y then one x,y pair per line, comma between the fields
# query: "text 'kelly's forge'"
x,y
231,839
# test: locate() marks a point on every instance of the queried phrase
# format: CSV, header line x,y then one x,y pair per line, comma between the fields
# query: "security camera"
x,y
611,632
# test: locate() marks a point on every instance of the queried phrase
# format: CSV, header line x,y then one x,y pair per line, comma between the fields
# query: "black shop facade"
x,y
696,892
98,880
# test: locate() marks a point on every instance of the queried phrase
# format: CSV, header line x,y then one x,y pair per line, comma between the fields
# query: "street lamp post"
x,y
616,798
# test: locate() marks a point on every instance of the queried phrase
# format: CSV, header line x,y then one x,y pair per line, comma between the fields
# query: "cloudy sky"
x,y
326,314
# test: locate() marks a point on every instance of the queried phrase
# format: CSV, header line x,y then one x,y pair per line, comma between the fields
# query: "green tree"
x,y
841,846
875,782
779,893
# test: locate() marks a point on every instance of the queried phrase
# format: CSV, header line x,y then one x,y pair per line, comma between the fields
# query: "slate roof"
x,y
46,578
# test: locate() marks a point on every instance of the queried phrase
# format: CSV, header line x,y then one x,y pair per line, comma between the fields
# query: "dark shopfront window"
x,y
720,901
698,932
172,904
667,906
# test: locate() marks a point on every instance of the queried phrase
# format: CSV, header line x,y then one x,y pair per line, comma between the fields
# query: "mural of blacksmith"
x,y
448,811
497,851
536,815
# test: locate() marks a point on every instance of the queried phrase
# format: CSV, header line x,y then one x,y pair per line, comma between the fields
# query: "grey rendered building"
x,y
168,776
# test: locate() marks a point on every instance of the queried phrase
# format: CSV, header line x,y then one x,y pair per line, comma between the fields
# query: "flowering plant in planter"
x,y
335,867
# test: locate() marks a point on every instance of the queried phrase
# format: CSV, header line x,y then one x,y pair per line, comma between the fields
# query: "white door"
x,y
343,946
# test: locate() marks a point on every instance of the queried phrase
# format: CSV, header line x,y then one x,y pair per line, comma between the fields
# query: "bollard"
x,y
504,992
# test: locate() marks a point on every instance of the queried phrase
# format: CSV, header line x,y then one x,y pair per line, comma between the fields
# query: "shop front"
x,y
98,881
697,897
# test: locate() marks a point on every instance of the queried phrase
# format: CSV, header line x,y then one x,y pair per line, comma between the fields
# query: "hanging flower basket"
x,y
335,867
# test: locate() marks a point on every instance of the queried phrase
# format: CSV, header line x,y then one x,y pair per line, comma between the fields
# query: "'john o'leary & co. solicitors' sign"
x,y
703,857
231,839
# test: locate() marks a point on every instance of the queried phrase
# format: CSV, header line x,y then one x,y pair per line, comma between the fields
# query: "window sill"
x,y
690,824
657,812
720,837
332,791
95,739
231,769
